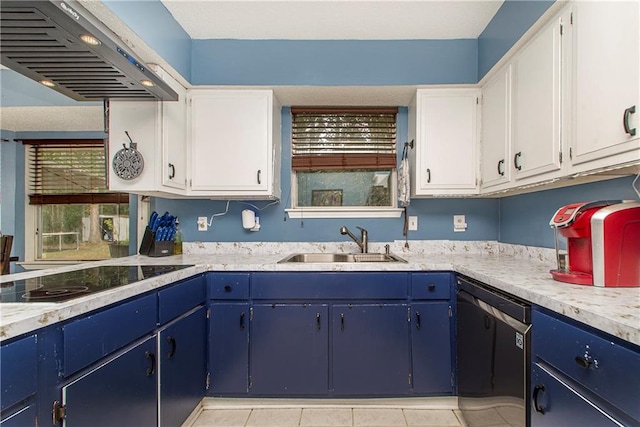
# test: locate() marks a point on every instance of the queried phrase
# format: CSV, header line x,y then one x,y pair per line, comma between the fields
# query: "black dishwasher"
x,y
492,355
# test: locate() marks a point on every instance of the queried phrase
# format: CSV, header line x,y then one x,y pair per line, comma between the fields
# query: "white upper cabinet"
x,y
159,130
174,137
234,144
444,124
606,83
495,144
537,104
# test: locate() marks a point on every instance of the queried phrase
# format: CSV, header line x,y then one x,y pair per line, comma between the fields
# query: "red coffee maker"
x,y
603,243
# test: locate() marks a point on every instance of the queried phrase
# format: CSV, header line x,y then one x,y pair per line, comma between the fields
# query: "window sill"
x,y
343,212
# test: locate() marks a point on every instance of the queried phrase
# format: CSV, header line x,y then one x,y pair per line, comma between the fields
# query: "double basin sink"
x,y
341,257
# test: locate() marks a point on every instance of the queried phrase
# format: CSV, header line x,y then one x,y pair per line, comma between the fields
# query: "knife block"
x,y
153,248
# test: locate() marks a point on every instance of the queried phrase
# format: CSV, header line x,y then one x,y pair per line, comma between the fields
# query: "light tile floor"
x,y
339,416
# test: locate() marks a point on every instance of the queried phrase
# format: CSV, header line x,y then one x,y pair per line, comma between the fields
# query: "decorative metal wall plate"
x,y
128,162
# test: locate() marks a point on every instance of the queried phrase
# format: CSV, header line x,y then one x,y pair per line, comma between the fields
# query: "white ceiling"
x,y
333,19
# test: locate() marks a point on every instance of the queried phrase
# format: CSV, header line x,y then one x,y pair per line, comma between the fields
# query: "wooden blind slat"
x,y
333,138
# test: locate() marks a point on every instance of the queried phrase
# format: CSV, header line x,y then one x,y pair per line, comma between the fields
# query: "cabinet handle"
x,y
228,288
242,321
259,180
173,171
418,322
536,392
516,159
625,120
501,167
431,287
171,340
151,369
342,321
428,175
318,321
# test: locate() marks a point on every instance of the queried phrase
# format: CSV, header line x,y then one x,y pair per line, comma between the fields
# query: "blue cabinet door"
x,y
431,348
120,392
182,367
370,349
289,349
18,371
556,404
229,348
25,417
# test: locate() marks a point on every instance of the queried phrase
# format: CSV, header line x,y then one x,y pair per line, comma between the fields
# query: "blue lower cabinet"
x,y
25,417
555,403
229,348
183,371
18,371
370,352
289,349
431,348
120,392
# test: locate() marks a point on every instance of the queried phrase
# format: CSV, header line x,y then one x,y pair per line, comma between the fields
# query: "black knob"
x,y
583,362
228,288
536,391
431,287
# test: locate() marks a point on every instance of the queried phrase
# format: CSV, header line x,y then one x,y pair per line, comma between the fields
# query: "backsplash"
x,y
453,247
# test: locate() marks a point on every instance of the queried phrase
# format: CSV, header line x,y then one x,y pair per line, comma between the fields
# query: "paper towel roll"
x,y
248,219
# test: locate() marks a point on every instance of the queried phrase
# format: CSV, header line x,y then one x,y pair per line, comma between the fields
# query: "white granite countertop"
x,y
520,271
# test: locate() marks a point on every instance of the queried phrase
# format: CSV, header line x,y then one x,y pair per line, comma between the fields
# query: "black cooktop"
x,y
65,286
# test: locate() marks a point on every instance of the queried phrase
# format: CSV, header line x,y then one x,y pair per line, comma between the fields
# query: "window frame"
x,y
33,212
299,212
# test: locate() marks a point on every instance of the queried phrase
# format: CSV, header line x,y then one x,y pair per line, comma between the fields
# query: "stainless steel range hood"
x,y
43,40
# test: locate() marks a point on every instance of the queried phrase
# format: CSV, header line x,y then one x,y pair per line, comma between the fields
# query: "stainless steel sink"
x,y
330,258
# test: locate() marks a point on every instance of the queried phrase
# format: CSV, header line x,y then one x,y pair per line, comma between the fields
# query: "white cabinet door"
x,y
606,80
232,147
536,104
495,144
174,137
445,159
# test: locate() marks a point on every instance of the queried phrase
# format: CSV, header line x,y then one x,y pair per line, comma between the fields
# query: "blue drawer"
x,y
615,377
90,338
309,285
228,285
18,367
431,285
180,298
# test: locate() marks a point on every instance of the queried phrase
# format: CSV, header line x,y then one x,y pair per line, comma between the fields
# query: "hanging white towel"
x,y
404,182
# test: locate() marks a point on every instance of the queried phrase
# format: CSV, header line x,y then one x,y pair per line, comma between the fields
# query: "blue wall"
x,y
525,219
12,192
512,20
334,62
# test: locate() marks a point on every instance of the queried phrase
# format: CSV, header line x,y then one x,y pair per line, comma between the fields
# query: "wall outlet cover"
x,y
459,223
202,223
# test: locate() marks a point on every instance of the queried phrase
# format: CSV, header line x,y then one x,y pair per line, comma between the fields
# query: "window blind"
x,y
69,171
327,138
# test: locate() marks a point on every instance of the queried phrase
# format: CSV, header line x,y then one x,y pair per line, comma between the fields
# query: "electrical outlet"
x,y
413,223
202,223
459,223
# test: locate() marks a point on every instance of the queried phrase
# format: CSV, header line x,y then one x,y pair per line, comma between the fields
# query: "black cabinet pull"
x,y
318,320
625,120
431,287
342,321
173,171
536,392
171,340
152,368
584,362
228,288
516,159
501,167
259,180
428,175
418,321
242,321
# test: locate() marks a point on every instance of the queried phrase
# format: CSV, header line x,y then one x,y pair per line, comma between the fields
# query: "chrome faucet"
x,y
363,242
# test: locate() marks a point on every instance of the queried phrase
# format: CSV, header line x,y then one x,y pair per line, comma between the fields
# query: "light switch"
x,y
413,223
459,223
